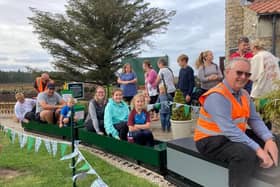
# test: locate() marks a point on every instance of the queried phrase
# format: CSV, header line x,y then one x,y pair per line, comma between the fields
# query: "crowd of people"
x,y
226,108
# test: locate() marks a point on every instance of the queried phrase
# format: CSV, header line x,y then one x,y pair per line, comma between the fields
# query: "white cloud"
x,y
198,25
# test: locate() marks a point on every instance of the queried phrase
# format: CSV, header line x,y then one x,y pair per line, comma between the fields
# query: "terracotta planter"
x,y
182,129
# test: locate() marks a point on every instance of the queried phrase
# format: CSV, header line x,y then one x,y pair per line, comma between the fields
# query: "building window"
x,y
265,26
245,2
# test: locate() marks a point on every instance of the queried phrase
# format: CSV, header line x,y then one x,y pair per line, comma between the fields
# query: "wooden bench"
x,y
186,165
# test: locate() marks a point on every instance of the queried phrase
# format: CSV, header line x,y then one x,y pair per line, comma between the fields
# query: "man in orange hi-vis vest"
x,y
40,83
221,132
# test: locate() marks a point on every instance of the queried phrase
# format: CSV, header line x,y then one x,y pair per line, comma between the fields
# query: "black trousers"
x,y
122,128
242,160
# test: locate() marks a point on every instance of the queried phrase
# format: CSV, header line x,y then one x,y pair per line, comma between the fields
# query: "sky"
x,y
198,25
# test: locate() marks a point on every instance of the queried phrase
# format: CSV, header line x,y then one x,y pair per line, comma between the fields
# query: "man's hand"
x,y
270,148
266,161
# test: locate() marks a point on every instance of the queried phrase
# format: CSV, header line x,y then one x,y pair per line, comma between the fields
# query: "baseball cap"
x,y
50,86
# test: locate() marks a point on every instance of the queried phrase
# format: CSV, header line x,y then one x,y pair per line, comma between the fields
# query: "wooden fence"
x,y
7,109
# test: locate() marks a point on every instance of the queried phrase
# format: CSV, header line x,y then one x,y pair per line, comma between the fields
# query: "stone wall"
x,y
250,23
234,24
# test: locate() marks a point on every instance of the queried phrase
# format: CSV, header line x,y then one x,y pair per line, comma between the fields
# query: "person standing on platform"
x,y
186,78
244,51
128,83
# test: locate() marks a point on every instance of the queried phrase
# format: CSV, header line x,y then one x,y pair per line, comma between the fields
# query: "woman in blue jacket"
x,y
116,116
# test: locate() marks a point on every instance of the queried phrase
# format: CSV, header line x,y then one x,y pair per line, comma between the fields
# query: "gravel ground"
x,y
112,159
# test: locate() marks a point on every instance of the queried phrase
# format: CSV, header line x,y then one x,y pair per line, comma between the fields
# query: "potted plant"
x,y
269,108
182,123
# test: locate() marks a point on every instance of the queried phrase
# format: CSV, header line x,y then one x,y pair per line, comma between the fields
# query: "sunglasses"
x,y
240,73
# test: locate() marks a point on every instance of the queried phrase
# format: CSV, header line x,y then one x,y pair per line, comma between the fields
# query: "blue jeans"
x,y
165,121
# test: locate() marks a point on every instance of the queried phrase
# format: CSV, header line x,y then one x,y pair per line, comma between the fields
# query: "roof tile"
x,y
265,6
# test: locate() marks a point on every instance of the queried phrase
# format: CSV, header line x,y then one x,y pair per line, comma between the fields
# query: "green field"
x,y
23,168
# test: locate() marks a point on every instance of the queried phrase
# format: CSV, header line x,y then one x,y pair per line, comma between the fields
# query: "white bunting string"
x,y
54,147
48,146
37,144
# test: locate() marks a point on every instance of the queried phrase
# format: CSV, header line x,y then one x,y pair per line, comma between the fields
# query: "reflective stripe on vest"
x,y
206,126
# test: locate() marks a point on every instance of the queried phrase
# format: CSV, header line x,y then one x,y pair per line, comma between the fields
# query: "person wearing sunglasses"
x,y
245,52
221,132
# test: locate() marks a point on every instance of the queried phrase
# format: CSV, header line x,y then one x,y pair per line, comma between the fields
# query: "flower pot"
x,y
182,129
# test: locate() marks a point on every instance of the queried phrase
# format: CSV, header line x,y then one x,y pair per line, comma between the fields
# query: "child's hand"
x,y
60,125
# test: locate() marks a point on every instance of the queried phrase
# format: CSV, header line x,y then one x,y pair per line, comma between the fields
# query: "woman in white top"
x,y
23,106
264,69
166,77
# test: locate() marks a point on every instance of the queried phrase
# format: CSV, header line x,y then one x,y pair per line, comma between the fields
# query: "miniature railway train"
x,y
178,160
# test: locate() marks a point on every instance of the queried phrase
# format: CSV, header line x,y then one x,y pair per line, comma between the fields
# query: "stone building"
x,y
256,19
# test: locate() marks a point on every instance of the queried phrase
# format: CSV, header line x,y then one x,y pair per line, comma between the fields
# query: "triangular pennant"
x,y
73,154
80,158
186,109
9,132
19,138
63,148
157,106
263,102
79,176
30,143
150,107
48,146
54,147
13,136
91,171
37,144
98,183
84,167
24,140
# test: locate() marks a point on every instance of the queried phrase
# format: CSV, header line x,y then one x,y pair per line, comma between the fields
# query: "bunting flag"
x,y
72,155
80,158
48,146
13,136
63,148
38,144
30,143
150,107
84,167
20,138
23,140
186,109
157,106
98,183
9,134
54,147
79,176
91,171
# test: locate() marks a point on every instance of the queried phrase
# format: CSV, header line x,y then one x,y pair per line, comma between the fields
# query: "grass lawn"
x,y
41,169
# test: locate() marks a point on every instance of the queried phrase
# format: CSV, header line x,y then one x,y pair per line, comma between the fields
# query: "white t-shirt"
x,y
168,78
22,108
265,71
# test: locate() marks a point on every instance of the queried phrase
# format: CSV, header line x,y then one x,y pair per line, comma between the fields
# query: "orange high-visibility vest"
x,y
40,86
240,113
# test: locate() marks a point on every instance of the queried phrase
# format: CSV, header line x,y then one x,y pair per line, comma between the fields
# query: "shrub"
x,y
178,113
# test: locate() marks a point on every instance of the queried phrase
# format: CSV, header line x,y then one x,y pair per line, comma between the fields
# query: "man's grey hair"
x,y
229,64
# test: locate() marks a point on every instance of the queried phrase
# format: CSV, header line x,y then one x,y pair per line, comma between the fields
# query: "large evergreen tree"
x,y
89,40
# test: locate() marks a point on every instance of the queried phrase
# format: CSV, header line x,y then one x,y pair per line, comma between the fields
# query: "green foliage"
x,y
41,169
16,77
269,107
179,113
89,40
